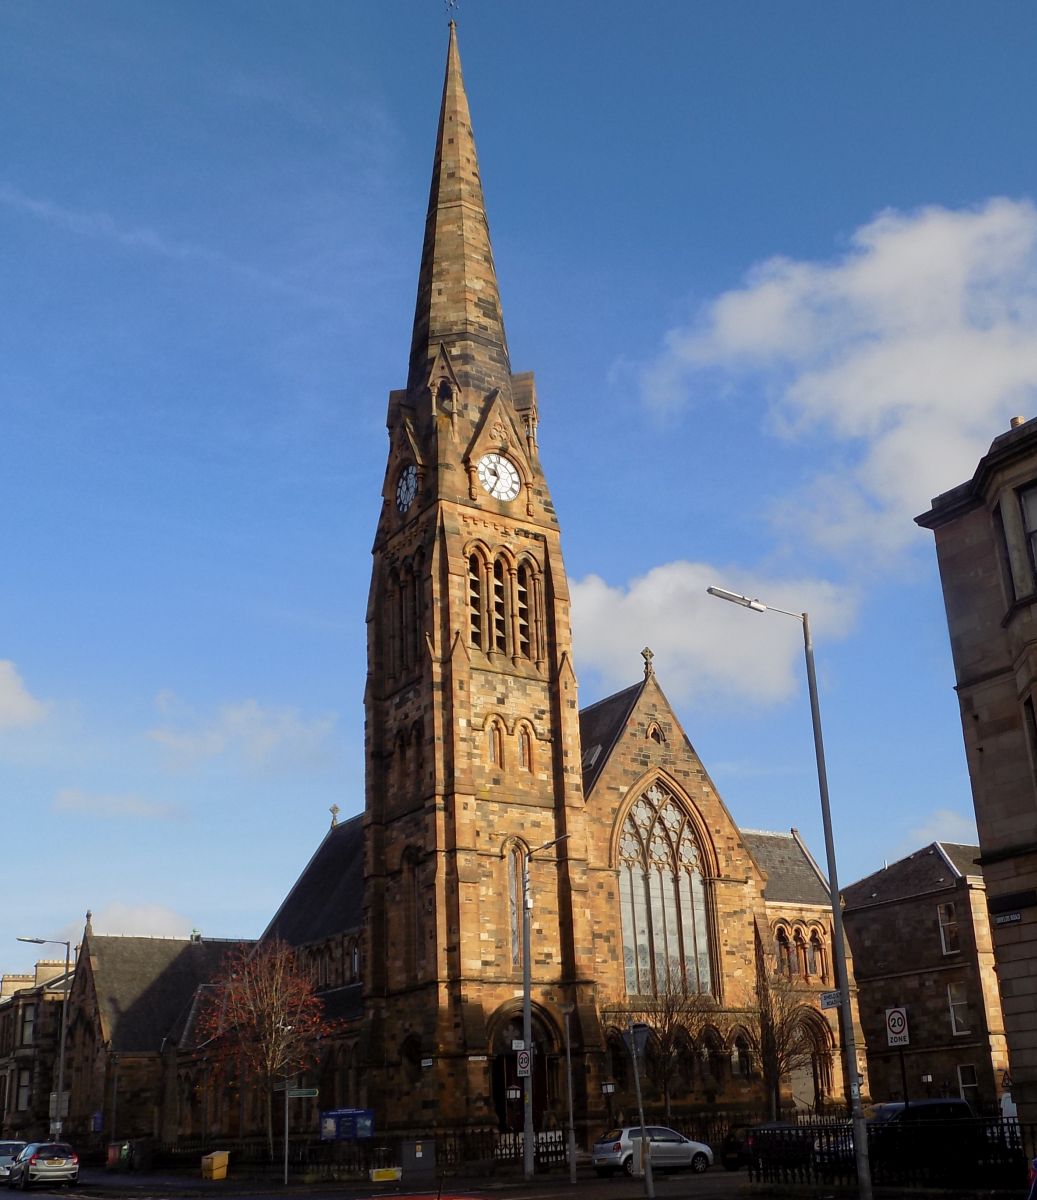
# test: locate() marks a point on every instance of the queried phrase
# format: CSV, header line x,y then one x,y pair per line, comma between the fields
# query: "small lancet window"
x,y
475,601
655,733
494,744
525,750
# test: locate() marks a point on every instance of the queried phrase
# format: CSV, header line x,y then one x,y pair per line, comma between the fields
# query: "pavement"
x,y
99,1184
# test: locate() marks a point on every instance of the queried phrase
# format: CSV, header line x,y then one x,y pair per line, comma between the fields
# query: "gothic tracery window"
x,y
663,898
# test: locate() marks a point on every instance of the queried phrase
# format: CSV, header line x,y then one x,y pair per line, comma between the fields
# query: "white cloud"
x,y
704,649
139,920
73,801
18,708
942,825
908,354
245,729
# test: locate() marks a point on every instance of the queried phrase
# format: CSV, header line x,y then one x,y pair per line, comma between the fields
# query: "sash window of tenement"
x,y
948,928
1028,503
958,1003
663,898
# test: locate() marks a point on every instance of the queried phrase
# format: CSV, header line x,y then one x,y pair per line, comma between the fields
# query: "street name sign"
x,y
831,999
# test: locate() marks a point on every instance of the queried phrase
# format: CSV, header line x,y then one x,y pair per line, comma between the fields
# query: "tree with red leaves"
x,y
262,1017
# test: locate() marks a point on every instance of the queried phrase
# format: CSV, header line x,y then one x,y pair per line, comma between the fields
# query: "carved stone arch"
x,y
816,1028
503,1027
506,556
707,847
665,862
655,733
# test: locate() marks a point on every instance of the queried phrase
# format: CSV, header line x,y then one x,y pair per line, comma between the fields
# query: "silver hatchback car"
x,y
44,1162
9,1151
671,1151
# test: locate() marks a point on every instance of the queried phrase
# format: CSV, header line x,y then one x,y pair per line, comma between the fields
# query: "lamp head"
x,y
736,598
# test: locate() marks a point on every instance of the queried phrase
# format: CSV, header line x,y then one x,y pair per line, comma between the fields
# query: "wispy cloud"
x,y
74,801
18,707
141,239
245,729
134,920
704,649
906,354
941,825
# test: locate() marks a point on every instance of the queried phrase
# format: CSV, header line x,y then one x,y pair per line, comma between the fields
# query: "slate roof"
x,y
932,868
600,727
328,897
792,875
143,984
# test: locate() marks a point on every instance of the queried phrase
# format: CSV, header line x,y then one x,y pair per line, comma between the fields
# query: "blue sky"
x,y
774,267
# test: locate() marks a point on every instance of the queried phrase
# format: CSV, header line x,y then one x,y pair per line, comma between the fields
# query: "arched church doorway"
x,y
506,1082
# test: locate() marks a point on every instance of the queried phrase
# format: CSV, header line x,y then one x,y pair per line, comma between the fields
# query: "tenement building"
x,y
986,545
920,934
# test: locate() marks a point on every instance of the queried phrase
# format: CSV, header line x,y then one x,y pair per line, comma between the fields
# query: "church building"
x,y
478,759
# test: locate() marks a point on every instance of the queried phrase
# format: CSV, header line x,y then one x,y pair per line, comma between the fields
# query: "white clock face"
x,y
406,487
498,476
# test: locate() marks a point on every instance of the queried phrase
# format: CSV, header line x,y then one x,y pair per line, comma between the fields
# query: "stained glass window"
x,y
663,899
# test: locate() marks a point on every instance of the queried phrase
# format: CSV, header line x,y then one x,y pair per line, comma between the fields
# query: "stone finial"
x,y
334,810
89,922
647,655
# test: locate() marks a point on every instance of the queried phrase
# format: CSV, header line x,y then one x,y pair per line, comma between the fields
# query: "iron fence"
x,y
986,1152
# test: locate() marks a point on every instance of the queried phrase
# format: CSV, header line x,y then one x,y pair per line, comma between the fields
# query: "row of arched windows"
x,y
524,740
505,606
800,955
408,763
329,969
405,606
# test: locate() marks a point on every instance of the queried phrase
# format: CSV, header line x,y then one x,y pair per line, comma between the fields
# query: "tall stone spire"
x,y
458,303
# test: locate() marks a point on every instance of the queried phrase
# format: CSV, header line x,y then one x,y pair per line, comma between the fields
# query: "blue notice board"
x,y
346,1124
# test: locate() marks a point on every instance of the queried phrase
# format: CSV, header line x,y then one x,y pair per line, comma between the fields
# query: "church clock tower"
x,y
472,728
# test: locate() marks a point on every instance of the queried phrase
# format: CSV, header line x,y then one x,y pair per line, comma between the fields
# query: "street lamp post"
x,y
567,1011
528,1156
637,1038
57,1121
860,1126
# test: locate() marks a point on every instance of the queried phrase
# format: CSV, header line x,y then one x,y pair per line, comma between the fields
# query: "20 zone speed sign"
x,y
896,1026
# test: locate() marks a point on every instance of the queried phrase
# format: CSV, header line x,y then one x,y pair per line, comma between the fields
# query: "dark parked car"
x,y
771,1141
44,1162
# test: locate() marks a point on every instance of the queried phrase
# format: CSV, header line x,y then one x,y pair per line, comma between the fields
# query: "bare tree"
x,y
677,1017
777,1029
261,1016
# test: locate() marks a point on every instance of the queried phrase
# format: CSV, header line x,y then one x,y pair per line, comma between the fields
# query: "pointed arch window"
x,y
523,595
663,898
515,904
495,744
475,601
783,948
499,632
525,747
816,956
